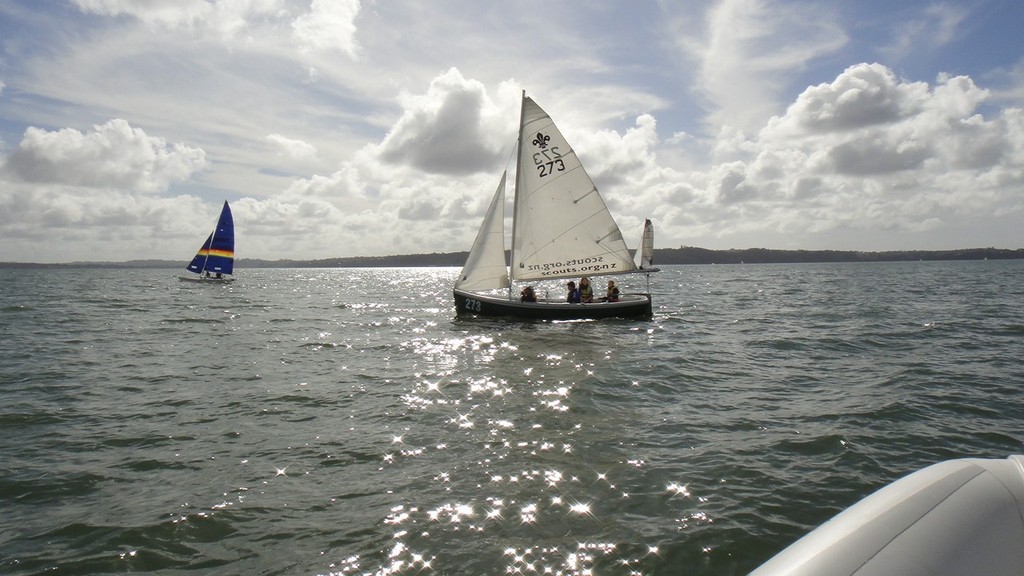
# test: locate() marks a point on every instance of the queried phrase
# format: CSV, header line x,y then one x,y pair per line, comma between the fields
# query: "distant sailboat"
x,y
215,260
561,228
644,256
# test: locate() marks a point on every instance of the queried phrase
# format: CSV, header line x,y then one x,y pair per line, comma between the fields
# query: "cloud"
x,y
612,159
328,123
1012,80
328,26
865,151
292,148
166,12
420,209
869,122
448,130
871,151
425,184
863,95
55,222
227,18
113,155
935,26
752,50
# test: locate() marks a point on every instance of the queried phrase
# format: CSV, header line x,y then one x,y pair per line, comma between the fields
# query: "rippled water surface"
x,y
342,421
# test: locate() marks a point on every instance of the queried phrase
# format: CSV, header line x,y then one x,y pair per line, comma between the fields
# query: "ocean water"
x,y
344,422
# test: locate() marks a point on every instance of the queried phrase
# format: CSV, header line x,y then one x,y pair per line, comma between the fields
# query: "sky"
x,y
340,128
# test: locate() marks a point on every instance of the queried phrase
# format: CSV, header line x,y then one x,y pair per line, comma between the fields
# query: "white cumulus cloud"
x,y
448,130
291,147
328,26
871,151
112,155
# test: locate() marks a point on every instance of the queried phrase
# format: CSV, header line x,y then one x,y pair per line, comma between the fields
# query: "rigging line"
x,y
209,246
611,234
593,190
512,156
511,153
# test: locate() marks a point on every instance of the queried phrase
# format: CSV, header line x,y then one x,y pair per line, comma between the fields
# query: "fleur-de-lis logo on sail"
x,y
541,141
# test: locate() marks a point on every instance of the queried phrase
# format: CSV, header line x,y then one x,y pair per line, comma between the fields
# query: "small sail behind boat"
x,y
485,267
217,255
561,226
644,256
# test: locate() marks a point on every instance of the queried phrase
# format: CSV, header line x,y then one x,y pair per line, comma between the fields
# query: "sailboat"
x,y
561,228
644,257
215,260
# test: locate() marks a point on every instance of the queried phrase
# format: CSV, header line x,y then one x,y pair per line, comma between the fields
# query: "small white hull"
x,y
206,279
955,518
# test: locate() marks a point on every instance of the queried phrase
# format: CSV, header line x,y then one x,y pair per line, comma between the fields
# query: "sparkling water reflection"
x,y
345,422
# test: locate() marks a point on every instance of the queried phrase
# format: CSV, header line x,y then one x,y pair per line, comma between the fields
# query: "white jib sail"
x,y
485,266
562,227
644,257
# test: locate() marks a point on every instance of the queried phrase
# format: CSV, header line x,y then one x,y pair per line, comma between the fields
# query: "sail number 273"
x,y
549,161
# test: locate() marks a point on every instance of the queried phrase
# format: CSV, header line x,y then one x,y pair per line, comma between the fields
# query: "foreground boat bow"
x,y
955,518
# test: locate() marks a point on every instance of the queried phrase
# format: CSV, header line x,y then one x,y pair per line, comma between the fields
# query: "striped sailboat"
x,y
215,260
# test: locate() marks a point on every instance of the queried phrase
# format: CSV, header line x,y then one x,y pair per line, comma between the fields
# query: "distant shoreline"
x,y
663,256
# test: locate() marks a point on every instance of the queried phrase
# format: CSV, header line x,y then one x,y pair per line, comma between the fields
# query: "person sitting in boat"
x,y
613,292
527,295
586,290
573,297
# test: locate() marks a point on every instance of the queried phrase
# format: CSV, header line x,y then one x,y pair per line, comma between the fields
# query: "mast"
x,y
515,194
210,245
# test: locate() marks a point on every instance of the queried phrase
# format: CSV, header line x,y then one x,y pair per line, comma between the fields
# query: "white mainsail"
x,y
485,266
561,226
644,257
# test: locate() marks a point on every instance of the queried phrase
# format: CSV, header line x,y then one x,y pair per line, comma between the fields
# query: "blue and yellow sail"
x,y
217,254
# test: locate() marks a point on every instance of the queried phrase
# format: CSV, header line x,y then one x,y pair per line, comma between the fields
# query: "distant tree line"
x,y
691,255
663,256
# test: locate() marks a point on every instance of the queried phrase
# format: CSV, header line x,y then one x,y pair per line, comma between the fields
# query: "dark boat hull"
x,y
629,306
